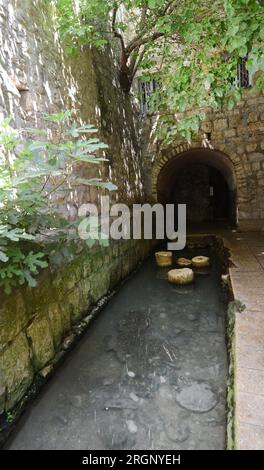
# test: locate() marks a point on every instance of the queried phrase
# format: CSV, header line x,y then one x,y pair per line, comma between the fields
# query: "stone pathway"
x,y
149,374
247,278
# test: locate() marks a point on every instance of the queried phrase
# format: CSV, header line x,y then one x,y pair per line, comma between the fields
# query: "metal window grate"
x,y
146,89
243,78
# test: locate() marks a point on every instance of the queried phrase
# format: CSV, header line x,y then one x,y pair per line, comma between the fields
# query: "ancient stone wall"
x,y
35,322
237,134
36,76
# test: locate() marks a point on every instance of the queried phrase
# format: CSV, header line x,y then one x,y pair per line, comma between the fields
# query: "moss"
x,y
54,309
16,370
230,399
41,341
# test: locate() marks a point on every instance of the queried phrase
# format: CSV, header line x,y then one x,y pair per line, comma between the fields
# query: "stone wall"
x,y
36,76
35,322
237,134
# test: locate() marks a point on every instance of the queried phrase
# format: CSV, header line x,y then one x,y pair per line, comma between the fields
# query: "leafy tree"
x,y
190,47
34,174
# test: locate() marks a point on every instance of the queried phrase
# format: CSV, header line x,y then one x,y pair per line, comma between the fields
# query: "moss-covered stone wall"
x,y
36,77
37,324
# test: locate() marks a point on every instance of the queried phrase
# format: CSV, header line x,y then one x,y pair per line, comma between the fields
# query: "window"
x,y
243,78
146,89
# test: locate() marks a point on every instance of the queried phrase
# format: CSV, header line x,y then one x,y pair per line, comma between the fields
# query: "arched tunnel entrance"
x,y
205,181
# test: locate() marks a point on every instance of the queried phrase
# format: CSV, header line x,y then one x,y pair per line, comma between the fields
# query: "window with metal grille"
x,y
146,89
243,77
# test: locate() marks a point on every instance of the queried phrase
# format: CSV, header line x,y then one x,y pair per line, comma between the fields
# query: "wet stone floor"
x,y
150,373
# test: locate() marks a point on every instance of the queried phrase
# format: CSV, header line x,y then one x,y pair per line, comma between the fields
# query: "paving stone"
x,y
250,380
198,397
249,436
250,408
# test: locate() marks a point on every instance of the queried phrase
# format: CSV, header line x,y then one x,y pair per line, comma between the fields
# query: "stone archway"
x,y
202,178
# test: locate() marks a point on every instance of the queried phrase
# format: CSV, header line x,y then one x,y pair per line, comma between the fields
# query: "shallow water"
x,y
150,373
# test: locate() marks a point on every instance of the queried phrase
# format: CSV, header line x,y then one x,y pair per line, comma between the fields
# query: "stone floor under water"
x,y
150,373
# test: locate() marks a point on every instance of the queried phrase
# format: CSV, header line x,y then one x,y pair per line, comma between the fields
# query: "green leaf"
x,y
3,257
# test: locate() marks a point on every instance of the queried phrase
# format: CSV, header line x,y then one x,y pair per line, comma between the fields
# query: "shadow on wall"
x,y
205,181
36,77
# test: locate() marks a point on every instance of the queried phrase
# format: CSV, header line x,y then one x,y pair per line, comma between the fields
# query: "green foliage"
x,y
36,176
77,25
191,47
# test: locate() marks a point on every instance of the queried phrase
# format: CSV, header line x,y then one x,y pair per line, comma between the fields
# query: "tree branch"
x,y
141,38
117,34
140,41
133,70
169,8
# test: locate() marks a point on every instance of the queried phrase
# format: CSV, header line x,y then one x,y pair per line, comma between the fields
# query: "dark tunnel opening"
x,y
204,180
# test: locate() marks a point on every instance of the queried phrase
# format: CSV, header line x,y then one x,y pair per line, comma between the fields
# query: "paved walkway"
x,y
247,278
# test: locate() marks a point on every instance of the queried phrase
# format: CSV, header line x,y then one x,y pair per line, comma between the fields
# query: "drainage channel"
x,y
150,373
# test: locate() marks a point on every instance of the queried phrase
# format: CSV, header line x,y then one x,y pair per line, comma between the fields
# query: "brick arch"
x,y
230,167
168,163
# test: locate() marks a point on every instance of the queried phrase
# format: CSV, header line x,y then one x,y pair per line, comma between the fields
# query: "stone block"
x,y
256,126
27,101
56,323
220,124
229,133
78,301
256,157
256,166
236,120
43,294
252,117
16,370
12,319
251,147
66,313
206,126
74,302
97,261
86,265
2,392
41,341
100,283
240,149
217,135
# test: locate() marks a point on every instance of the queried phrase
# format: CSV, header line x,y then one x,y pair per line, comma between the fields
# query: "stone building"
x,y
226,156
